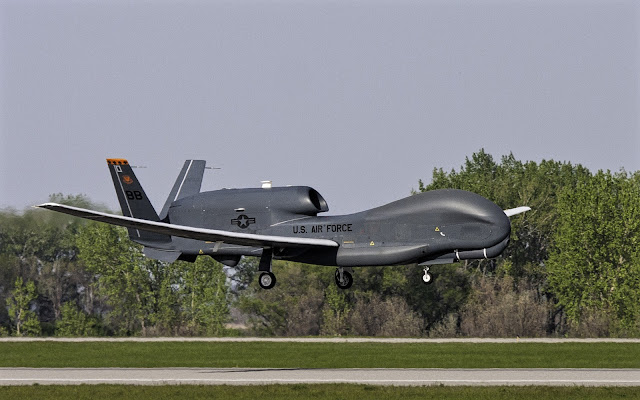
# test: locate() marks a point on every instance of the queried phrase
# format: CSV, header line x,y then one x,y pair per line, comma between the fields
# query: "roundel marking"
x,y
243,221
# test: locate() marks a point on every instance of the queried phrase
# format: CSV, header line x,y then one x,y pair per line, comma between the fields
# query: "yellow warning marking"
x,y
372,244
348,242
437,229
201,252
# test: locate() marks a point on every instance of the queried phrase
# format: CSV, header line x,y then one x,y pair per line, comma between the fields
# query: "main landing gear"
x,y
344,280
267,279
427,278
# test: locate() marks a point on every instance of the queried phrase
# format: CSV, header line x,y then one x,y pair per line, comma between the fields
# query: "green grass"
x,y
319,355
293,392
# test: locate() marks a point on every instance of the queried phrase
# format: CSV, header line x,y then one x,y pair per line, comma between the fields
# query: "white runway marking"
x,y
373,376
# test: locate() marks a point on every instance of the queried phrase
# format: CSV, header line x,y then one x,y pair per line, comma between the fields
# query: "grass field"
x,y
294,392
319,355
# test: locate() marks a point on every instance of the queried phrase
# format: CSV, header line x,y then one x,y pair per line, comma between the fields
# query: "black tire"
x,y
267,280
348,280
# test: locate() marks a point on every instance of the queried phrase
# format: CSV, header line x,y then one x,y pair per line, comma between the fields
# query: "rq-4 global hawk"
x,y
435,227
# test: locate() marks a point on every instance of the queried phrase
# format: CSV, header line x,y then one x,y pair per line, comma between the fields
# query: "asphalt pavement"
x,y
370,376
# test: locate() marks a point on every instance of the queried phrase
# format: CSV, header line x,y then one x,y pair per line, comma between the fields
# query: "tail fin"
x,y
133,201
188,183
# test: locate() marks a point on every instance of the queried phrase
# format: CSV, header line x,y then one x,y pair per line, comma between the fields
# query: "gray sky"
x,y
357,99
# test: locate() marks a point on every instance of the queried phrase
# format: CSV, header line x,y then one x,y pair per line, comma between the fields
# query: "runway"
x,y
375,376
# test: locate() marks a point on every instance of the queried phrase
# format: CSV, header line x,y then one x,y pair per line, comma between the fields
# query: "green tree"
x,y
335,312
204,294
166,311
293,307
123,278
75,323
25,321
595,263
39,246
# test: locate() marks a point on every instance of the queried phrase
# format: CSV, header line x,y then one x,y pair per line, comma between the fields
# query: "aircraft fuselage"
x,y
444,225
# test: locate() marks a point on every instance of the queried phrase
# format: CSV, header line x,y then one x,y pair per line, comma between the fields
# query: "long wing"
x,y
213,235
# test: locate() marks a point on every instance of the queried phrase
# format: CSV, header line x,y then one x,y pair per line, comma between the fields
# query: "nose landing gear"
x,y
427,278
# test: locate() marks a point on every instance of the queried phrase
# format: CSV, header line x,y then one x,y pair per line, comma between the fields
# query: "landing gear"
x,y
344,280
427,278
267,280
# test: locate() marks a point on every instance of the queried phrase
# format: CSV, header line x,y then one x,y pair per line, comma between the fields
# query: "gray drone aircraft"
x,y
435,227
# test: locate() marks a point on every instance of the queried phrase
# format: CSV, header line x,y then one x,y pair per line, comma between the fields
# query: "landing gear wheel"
x,y
267,280
346,281
427,279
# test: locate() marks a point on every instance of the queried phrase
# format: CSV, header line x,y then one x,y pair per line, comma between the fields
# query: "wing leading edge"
x,y
213,235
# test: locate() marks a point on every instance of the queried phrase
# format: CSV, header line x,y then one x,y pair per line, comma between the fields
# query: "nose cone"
x,y
501,224
465,220
481,222
479,209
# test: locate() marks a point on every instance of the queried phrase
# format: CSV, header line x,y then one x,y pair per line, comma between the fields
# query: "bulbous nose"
x,y
501,224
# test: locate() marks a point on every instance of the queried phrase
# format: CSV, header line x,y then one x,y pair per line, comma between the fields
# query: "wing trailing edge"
x,y
190,232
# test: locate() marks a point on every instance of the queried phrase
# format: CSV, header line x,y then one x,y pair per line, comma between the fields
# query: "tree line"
x,y
572,268
63,276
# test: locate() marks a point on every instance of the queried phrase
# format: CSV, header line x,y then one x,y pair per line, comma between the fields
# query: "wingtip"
x,y
515,211
47,205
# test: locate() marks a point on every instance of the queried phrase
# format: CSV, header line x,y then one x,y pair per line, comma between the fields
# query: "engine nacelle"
x,y
296,200
261,207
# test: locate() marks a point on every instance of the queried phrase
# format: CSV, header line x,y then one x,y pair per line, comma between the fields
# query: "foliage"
x,y
151,297
243,274
307,302
75,322
500,308
123,278
390,317
335,311
595,264
204,297
39,246
293,307
447,294
25,321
